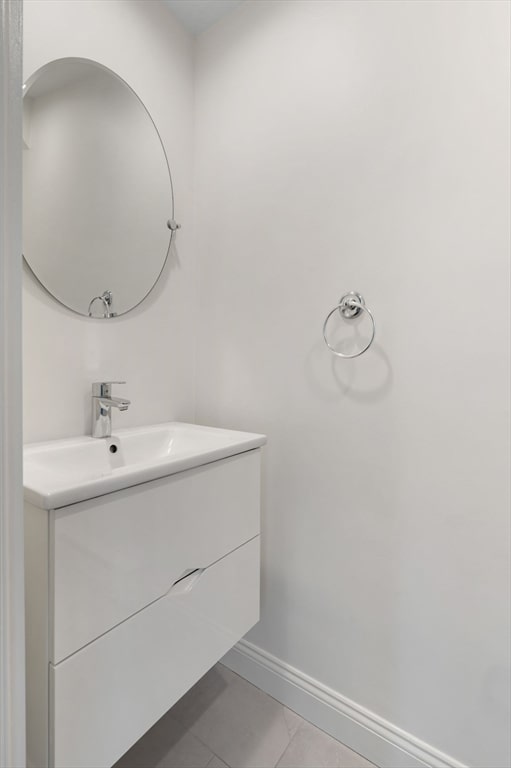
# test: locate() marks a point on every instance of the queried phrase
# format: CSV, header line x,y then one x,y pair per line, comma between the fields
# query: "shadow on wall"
x,y
365,380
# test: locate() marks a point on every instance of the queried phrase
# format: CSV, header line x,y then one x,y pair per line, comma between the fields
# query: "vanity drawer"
x,y
106,696
112,556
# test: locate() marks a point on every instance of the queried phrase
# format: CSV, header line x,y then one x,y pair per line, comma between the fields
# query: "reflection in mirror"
x,y
97,189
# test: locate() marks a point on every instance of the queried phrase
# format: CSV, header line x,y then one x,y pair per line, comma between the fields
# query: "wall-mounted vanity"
x,y
142,570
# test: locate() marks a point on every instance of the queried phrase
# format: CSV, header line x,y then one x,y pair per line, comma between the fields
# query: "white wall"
x,y
364,146
152,348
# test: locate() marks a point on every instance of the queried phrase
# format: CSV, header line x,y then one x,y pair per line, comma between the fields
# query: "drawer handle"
x,y
186,581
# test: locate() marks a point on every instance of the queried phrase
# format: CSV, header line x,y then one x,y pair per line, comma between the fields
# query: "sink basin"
x,y
63,472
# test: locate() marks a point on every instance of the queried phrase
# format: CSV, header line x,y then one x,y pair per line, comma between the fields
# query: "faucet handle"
x,y
103,388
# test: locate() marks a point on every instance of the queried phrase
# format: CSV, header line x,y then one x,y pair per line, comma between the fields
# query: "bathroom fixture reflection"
x,y
107,299
102,404
98,205
350,306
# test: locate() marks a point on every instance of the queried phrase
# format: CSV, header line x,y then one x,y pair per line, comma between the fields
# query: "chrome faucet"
x,y
102,404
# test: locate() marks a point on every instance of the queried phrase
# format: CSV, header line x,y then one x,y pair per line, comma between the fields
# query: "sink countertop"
x,y
62,472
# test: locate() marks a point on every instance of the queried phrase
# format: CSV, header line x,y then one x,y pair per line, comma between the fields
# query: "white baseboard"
x,y
379,741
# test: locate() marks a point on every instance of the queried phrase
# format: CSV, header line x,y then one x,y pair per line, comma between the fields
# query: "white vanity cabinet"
x,y
131,597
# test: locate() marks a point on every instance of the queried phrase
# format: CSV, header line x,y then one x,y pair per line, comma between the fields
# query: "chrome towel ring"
x,y
350,306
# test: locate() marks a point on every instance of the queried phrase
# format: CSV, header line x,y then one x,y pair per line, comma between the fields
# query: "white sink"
x,y
63,472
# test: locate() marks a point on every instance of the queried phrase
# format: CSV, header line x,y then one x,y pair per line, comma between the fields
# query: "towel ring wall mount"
x,y
350,306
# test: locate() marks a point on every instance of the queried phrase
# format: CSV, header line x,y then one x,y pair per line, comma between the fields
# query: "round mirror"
x,y
98,205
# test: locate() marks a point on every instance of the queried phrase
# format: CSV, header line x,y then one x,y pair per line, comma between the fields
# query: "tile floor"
x,y
225,722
